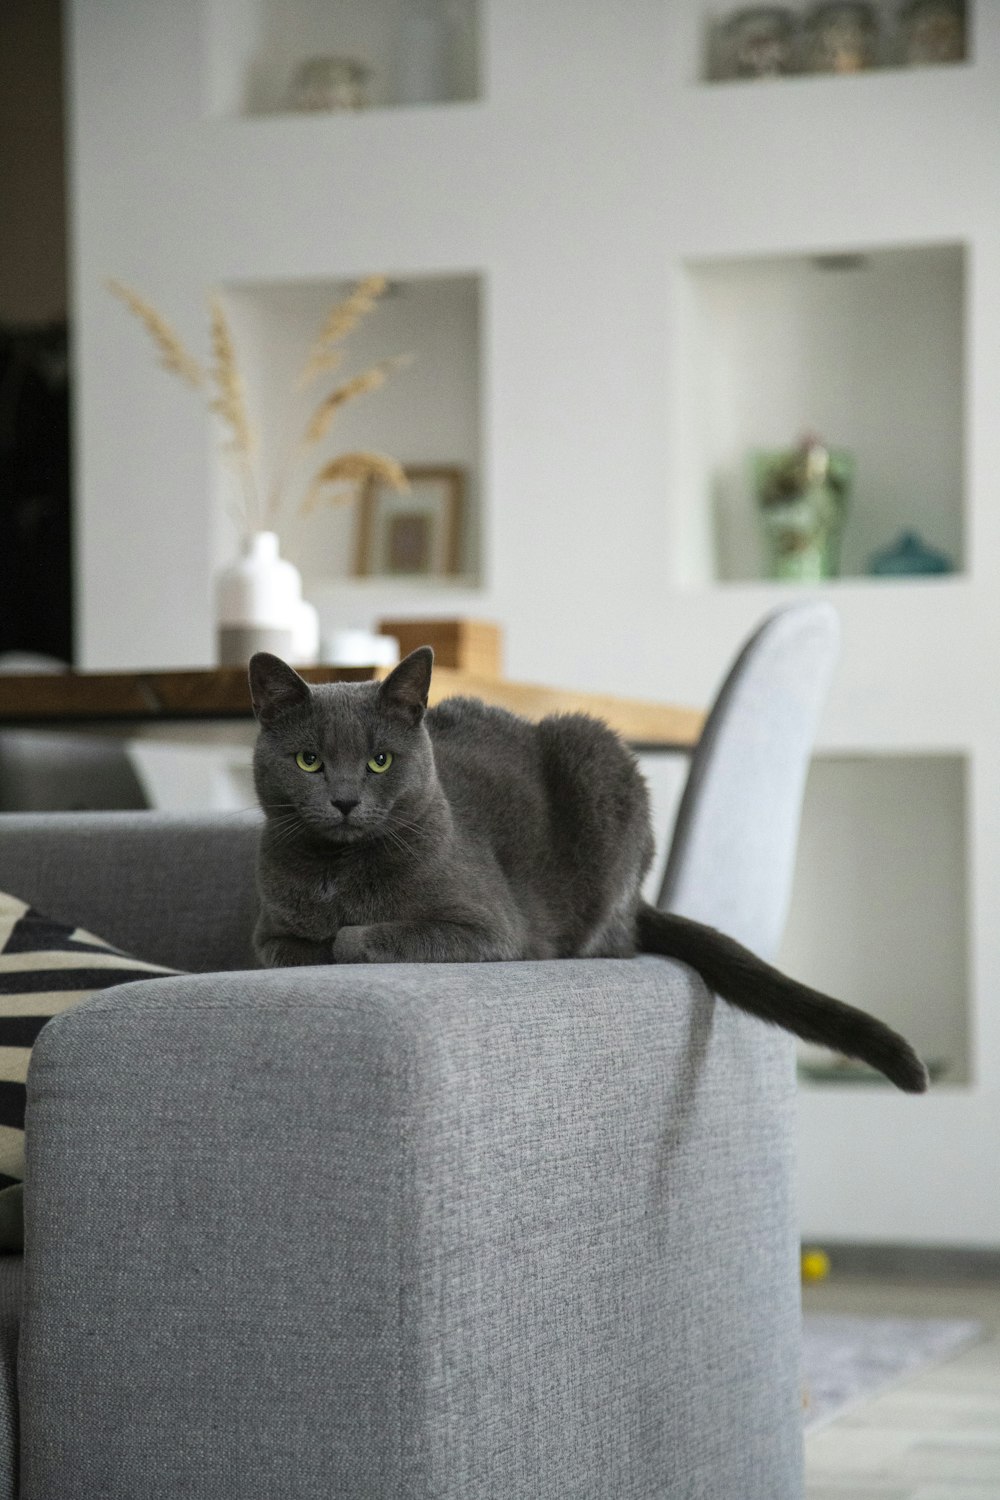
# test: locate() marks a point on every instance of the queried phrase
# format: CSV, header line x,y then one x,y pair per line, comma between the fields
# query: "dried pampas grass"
x,y
173,355
230,401
340,478
350,471
341,320
319,423
229,404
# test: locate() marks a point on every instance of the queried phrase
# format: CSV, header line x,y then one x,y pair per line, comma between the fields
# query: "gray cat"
x,y
395,834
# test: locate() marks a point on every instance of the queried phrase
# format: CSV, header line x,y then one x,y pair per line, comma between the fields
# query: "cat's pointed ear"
x,y
275,687
406,687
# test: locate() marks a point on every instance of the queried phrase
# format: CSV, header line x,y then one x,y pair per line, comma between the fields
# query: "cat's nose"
x,y
346,805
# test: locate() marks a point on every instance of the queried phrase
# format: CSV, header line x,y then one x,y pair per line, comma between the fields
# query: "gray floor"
x,y
936,1436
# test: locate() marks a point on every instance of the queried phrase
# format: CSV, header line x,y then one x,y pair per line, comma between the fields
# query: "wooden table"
x,y
147,699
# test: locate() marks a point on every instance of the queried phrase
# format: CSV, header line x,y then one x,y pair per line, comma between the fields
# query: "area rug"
x,y
848,1360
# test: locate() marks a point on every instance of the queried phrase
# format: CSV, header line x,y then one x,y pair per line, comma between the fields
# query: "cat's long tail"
x,y
749,983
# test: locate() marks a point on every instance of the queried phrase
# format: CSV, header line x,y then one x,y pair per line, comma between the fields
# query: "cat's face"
x,y
344,760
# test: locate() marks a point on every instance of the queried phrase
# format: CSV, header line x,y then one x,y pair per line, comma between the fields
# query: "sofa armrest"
x,y
429,1230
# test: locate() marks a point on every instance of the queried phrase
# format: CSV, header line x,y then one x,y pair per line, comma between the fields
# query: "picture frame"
x,y
413,534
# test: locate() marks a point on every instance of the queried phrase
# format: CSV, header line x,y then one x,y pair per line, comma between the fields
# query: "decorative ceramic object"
x,y
758,42
842,37
932,31
908,557
260,607
332,84
360,648
802,494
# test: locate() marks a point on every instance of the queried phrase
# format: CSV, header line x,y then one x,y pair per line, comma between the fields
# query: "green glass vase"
x,y
802,496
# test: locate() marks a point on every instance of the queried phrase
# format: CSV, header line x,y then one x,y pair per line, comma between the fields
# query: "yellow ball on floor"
x,y
815,1265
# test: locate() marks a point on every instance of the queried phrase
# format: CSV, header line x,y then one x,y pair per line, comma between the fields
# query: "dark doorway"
x,y
36,605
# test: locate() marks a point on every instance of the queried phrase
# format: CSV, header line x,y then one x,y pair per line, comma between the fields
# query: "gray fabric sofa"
x,y
456,1231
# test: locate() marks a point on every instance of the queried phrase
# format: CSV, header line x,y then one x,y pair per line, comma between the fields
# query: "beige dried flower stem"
x,y
341,320
370,380
320,421
173,354
230,405
352,470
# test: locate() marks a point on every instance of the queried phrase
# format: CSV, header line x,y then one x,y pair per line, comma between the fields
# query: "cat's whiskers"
x,y
240,812
391,836
404,822
396,838
283,817
236,812
411,825
284,828
281,839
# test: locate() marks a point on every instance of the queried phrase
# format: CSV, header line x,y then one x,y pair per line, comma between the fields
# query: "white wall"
x,y
591,176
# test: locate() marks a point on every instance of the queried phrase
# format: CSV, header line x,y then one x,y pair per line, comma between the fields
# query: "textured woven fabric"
x,y
177,890
46,968
447,1231
11,1275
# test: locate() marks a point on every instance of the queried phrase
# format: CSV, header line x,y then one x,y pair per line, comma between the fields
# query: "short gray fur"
x,y
485,837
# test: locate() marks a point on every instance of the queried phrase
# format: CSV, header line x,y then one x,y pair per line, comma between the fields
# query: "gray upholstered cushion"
x,y
177,890
442,1230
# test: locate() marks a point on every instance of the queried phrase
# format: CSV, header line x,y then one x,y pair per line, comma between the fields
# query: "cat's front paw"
x,y
290,952
354,945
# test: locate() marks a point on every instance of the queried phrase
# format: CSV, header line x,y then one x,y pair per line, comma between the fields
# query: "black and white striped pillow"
x,y
46,968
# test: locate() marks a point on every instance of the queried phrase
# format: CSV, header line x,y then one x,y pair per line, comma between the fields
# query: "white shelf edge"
x,y
864,78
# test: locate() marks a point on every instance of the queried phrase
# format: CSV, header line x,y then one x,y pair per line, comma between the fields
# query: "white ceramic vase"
x,y
259,607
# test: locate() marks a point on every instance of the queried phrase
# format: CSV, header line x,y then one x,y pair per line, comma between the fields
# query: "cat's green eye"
x,y
380,762
308,760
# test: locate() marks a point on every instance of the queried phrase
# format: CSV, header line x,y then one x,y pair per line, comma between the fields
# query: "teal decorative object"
x,y
909,556
802,494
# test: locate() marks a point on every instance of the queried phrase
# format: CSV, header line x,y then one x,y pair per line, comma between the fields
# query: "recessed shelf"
x,y
866,349
879,908
271,56
426,416
775,43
